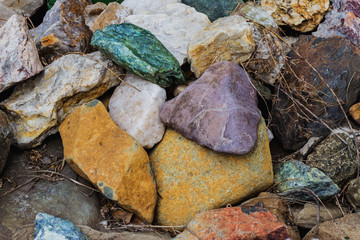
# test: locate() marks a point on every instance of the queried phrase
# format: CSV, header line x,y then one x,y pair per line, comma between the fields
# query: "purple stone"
x,y
219,110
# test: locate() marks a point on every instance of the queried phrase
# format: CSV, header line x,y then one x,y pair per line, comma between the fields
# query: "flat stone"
x,y
353,194
50,227
137,112
146,5
342,20
342,228
219,110
140,52
226,39
355,112
26,8
174,25
19,59
6,137
191,179
92,12
303,16
38,106
212,8
297,176
336,60
63,30
235,223
98,150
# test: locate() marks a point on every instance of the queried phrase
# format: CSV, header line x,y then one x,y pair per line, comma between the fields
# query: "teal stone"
x,y
296,175
140,52
214,9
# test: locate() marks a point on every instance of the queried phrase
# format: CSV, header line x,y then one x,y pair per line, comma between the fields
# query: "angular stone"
x,y
50,227
342,20
92,12
6,137
19,59
298,177
355,112
63,30
235,223
347,227
146,5
37,107
137,112
336,156
303,16
26,8
353,194
174,25
113,14
212,8
308,100
226,39
191,179
98,150
218,111
139,51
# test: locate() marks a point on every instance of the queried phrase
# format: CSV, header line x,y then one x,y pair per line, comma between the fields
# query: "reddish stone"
x,y
238,223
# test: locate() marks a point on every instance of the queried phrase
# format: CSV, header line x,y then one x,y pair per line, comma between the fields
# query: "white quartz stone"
x,y
137,112
146,5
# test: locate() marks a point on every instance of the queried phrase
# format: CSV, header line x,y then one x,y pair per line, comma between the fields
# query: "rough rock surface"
x,y
139,51
354,111
342,20
174,25
235,223
38,106
295,175
50,227
336,157
98,150
226,39
353,194
19,59
92,12
5,139
336,60
342,228
303,16
11,7
191,178
146,5
63,30
219,110
212,8
137,112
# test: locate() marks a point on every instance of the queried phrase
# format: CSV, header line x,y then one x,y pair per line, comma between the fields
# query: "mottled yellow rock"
x,y
191,178
98,150
355,112
300,15
226,39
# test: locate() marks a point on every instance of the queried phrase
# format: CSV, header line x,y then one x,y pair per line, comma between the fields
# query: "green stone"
x,y
214,9
140,52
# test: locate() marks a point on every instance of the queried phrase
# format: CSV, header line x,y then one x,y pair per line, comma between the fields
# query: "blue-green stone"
x,y
140,52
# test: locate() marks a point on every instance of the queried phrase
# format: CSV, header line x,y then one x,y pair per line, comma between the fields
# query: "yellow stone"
x,y
191,178
355,112
98,150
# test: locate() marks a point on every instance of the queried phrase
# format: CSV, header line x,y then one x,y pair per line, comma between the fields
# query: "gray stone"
x,y
25,7
5,139
37,107
353,194
146,5
92,12
219,110
19,59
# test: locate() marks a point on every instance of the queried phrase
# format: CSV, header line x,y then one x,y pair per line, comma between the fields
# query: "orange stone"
x,y
98,150
355,112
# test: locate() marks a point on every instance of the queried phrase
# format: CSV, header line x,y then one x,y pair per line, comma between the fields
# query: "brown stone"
x,y
98,150
355,112
5,139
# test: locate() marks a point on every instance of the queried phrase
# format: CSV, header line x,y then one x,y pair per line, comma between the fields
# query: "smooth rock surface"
x,y
37,107
19,59
137,112
354,111
353,194
11,7
295,175
146,5
92,12
226,39
49,227
191,179
342,20
6,137
342,228
174,25
235,223
139,51
303,16
63,30
98,150
336,60
219,110
212,8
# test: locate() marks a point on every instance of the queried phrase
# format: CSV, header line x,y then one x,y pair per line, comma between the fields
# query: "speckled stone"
x,y
146,5
139,51
295,175
353,194
6,137
49,227
191,179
